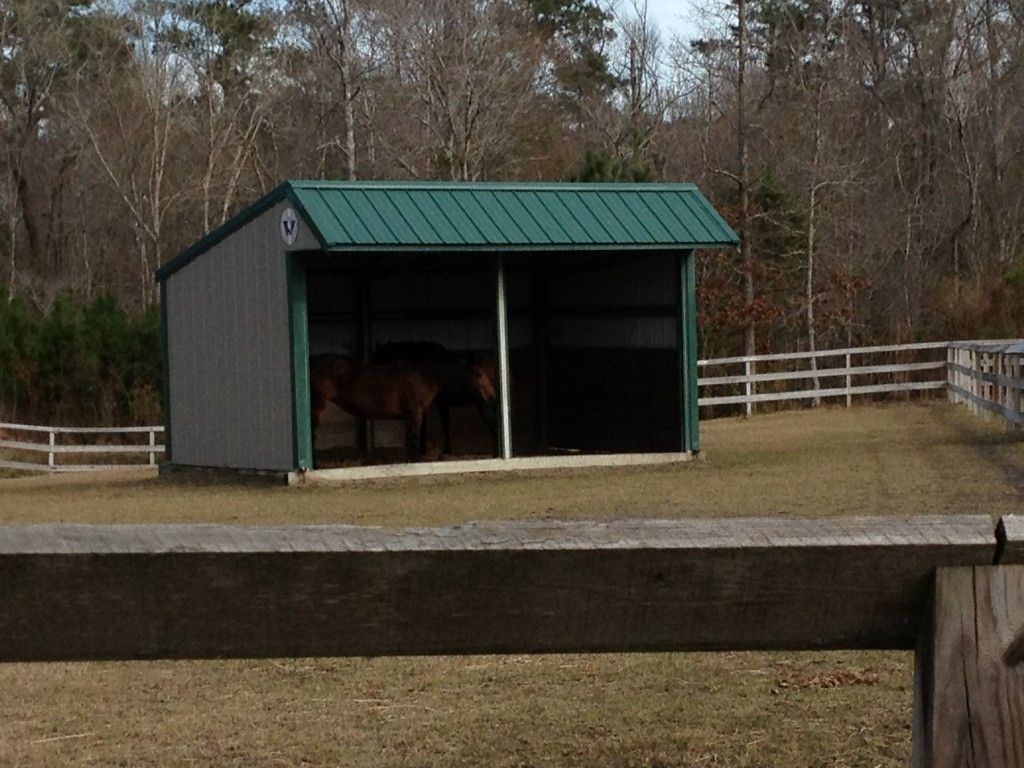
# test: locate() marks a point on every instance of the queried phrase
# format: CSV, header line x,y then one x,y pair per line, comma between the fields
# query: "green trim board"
x,y
446,217
298,326
688,351
165,384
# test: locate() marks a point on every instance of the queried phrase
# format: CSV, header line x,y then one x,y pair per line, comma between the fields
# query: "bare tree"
x,y
473,69
132,125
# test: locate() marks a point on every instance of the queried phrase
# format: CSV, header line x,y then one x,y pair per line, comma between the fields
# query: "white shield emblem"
x,y
289,226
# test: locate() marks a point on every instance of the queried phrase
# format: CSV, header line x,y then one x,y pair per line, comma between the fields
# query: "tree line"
x,y
868,152
90,363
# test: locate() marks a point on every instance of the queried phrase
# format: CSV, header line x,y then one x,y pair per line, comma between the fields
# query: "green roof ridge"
x,y
580,186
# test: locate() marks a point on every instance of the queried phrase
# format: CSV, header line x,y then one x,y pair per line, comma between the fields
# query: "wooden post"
x,y
361,294
958,357
687,344
152,447
983,393
539,332
52,459
1004,385
748,388
975,380
969,676
950,374
1015,373
849,364
504,379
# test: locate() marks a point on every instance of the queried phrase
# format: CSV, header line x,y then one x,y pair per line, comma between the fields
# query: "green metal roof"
x,y
389,216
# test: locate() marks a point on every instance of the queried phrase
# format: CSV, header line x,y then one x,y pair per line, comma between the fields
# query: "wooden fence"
x,y
53,447
952,588
988,378
827,373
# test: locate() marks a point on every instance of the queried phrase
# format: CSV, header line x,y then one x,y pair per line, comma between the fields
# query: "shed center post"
x,y
688,348
504,388
364,347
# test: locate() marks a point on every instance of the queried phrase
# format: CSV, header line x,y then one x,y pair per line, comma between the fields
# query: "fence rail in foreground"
x,y
950,587
54,448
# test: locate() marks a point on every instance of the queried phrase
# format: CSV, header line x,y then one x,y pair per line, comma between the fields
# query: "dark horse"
x,y
462,379
396,390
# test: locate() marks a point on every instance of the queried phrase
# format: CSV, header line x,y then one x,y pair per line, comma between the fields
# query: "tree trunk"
x,y
812,210
746,255
345,74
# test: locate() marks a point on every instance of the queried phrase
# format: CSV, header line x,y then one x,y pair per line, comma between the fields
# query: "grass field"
x,y
595,711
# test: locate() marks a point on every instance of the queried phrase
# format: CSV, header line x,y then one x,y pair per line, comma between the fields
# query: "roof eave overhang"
x,y
283,192
287,191
384,248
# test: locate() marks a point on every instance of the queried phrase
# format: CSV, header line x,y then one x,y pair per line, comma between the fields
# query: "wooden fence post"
x,y
1018,382
969,675
748,387
51,461
1006,390
964,360
950,374
152,447
977,386
849,380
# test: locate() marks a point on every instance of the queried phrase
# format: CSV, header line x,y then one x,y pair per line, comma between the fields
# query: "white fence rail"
x,y
827,373
17,438
988,378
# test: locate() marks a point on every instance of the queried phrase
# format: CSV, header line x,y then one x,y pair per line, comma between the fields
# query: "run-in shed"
x,y
584,293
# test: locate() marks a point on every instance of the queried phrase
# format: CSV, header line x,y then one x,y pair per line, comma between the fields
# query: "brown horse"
x,y
395,390
462,379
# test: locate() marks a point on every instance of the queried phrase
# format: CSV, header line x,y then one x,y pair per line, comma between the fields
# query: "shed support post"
x,y
504,380
969,675
298,322
689,409
364,351
539,342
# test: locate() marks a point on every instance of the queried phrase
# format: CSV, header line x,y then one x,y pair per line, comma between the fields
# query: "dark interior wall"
x,y
332,311
449,301
613,377
594,344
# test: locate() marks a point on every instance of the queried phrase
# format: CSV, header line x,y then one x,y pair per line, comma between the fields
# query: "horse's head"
x,y
483,376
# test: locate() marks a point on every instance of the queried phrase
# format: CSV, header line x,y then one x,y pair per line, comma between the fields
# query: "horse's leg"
x,y
317,413
423,432
489,413
413,425
444,411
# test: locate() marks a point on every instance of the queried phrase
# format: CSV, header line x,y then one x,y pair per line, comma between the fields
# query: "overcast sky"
x,y
673,16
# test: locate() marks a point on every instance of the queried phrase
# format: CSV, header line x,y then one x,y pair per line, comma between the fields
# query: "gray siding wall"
x,y
229,350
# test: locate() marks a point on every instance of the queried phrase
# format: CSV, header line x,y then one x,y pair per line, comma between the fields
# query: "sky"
x,y
673,16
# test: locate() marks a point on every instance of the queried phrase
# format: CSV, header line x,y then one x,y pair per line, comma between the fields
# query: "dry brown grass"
x,y
654,711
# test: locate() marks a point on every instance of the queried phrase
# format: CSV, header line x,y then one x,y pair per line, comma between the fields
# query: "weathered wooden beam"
x,y
1010,535
969,709
134,592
